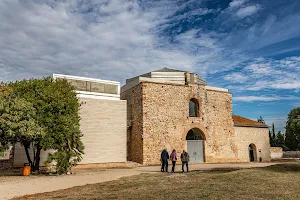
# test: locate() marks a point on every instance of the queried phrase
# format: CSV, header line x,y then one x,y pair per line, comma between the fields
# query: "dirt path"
x,y
13,186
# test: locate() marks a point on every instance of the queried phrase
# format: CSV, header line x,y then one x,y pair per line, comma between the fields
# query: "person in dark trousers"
x,y
173,158
185,158
164,160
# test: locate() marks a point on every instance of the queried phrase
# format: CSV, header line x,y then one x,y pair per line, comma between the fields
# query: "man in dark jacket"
x,y
164,160
185,158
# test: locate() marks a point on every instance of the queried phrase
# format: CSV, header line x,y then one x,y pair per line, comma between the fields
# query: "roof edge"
x,y
254,126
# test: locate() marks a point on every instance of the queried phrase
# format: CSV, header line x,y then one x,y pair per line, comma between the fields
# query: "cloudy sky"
x,y
251,47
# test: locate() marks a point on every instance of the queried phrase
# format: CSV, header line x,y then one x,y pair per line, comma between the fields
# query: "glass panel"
x,y
111,89
192,78
93,86
97,87
193,109
78,84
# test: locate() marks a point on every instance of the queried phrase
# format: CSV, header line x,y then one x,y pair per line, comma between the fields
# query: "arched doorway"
x,y
195,145
252,153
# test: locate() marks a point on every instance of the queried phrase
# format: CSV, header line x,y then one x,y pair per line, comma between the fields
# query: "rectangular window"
x,y
88,86
78,84
110,89
97,87
192,78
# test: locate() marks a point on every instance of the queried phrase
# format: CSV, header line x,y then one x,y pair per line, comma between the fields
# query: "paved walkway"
x,y
13,186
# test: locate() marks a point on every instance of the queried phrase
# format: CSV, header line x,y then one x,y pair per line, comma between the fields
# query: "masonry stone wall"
x,y
276,152
165,121
135,123
221,145
245,136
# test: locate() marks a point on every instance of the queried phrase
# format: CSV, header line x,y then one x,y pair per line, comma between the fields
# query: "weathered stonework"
x,y
135,123
276,152
160,114
244,136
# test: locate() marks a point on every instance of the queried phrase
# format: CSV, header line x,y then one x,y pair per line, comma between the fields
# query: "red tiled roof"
x,y
241,121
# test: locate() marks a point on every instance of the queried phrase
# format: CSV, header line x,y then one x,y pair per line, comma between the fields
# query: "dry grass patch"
x,y
274,182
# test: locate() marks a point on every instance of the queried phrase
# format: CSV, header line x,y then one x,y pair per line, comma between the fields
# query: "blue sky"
x,y
250,47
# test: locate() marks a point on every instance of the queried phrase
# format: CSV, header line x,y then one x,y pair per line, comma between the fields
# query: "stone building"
x,y
176,109
103,122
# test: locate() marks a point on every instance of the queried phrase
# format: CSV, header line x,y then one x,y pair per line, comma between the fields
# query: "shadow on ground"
x,y
286,167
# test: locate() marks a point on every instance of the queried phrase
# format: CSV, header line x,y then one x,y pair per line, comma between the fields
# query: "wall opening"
x,y
194,108
252,153
195,145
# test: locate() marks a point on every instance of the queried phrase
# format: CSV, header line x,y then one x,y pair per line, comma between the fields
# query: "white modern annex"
x,y
103,122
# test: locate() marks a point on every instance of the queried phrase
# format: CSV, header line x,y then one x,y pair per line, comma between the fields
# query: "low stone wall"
x,y
276,152
291,154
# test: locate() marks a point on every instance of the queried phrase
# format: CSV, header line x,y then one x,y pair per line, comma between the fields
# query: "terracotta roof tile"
x,y
241,121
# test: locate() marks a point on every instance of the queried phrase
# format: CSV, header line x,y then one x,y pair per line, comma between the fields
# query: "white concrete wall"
x,y
104,128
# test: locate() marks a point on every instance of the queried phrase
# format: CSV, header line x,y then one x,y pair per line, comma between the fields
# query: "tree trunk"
x,y
37,158
26,147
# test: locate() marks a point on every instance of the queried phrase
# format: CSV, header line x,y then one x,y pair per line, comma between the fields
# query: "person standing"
x,y
173,158
185,158
164,160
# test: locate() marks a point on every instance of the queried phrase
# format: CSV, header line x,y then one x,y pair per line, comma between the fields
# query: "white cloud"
x,y
110,40
267,74
279,122
236,77
263,98
255,98
247,11
236,3
117,40
296,105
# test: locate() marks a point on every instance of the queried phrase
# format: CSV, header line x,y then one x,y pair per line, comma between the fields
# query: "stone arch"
x,y
195,134
252,152
198,126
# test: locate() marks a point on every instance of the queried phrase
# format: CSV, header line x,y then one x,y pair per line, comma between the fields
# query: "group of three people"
x,y
185,158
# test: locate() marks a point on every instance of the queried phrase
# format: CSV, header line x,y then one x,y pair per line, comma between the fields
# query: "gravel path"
x,y
13,186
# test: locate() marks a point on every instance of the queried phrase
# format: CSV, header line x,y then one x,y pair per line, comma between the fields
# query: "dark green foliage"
x,y
17,122
292,140
56,107
272,136
276,140
280,139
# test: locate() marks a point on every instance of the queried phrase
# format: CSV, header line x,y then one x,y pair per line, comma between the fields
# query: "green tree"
x,y
280,139
56,109
272,136
292,134
17,122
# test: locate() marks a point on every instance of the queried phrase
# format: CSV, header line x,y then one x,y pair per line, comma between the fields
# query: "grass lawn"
x,y
274,182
